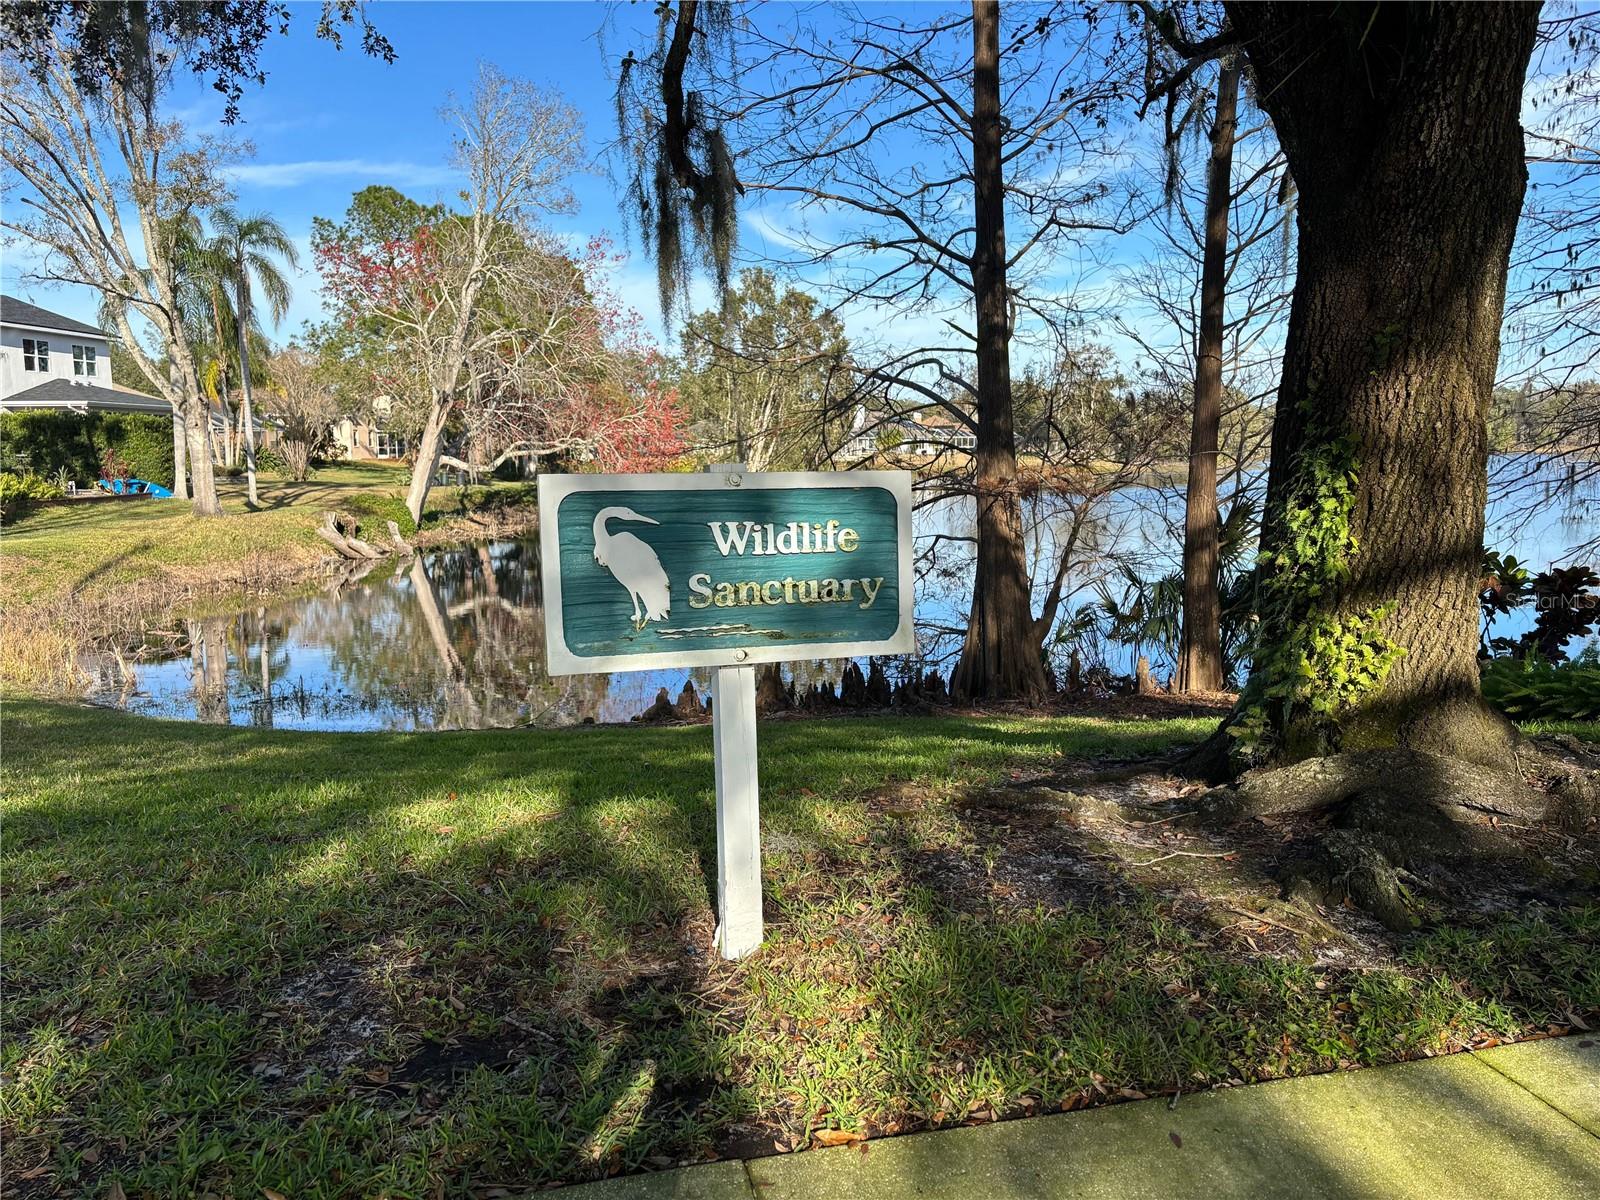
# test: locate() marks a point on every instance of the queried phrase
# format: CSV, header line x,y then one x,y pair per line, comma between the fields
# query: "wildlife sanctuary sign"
x,y
647,571
726,570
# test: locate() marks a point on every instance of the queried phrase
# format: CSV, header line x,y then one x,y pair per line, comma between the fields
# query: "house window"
x,y
35,355
388,445
83,360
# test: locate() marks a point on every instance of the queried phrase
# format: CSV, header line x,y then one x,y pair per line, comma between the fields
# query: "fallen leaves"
x,y
834,1137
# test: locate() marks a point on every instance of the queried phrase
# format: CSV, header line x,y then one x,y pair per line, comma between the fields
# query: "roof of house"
x,y
19,312
84,397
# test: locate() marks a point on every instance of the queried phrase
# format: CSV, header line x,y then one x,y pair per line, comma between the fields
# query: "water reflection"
x,y
455,639
447,640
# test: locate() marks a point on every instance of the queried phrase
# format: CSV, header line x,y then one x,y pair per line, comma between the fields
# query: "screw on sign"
x,y
726,570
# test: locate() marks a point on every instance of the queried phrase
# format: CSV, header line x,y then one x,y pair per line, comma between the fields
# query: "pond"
x,y
454,639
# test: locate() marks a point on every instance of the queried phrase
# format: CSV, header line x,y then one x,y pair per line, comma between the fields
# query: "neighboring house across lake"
x,y
367,439
925,434
48,361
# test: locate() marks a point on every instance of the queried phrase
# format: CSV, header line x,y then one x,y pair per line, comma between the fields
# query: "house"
x,y
927,434
48,361
367,440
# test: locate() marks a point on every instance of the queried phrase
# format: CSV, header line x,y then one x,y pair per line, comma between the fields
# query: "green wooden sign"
x,y
644,571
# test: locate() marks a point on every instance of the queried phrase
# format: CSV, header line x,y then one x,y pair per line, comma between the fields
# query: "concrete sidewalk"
x,y
1518,1122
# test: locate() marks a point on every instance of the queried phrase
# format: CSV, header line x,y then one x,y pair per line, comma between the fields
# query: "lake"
x,y
454,639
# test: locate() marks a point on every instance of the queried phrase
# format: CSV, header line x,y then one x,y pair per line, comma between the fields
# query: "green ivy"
x,y
1316,662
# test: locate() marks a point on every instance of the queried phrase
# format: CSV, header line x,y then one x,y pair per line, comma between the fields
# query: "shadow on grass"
x,y
348,964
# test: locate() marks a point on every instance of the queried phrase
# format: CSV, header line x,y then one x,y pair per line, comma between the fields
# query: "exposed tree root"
x,y
1402,818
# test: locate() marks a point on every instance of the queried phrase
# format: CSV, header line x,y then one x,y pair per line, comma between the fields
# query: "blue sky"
x,y
327,123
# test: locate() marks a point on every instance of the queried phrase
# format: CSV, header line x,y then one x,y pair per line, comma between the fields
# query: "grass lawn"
x,y
90,547
441,964
70,571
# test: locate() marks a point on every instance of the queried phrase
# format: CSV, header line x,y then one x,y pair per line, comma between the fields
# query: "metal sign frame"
x,y
553,489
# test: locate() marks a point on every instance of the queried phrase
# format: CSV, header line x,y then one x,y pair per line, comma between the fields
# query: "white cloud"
x,y
295,174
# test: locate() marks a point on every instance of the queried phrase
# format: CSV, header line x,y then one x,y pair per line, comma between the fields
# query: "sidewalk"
x,y
1517,1122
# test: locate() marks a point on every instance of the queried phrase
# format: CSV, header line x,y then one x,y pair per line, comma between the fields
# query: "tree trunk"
x,y
1000,660
203,476
180,467
1400,123
1200,646
428,451
246,413
196,415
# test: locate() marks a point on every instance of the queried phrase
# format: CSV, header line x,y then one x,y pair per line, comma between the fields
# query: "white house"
x,y
51,361
923,435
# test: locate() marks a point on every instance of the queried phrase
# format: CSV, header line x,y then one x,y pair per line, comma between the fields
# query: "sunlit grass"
x,y
353,965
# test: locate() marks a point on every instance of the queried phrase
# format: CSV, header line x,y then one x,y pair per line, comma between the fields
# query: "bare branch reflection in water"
x,y
455,638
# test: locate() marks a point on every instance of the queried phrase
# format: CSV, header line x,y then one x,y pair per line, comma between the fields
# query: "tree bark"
x,y
180,467
1200,644
1400,123
246,415
194,415
428,451
203,478
1000,660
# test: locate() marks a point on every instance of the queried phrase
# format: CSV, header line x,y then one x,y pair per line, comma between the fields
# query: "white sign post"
x,y
650,571
733,743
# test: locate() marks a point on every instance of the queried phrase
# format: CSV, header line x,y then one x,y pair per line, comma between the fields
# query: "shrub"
x,y
145,443
373,511
495,499
1530,689
271,461
21,492
47,443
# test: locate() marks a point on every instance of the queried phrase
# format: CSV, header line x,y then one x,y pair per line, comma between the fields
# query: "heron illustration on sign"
x,y
633,563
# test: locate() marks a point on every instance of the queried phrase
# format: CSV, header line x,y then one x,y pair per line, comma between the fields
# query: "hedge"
x,y
45,441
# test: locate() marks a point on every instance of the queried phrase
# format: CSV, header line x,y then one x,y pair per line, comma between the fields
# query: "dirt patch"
x,y
332,1017
444,1062
1115,831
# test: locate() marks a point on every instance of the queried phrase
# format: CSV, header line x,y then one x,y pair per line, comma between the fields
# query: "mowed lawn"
x,y
88,547
241,962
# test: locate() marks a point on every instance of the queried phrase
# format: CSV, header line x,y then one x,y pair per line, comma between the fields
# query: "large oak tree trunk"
x,y
1200,646
1400,123
1000,659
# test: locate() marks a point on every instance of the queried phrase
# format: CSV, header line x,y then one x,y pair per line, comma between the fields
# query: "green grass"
x,y
68,571
419,965
93,547
1587,731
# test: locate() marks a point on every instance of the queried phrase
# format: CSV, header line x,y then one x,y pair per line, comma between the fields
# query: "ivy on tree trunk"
x,y
1400,123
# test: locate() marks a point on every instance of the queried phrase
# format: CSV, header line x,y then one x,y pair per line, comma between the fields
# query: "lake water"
x,y
455,639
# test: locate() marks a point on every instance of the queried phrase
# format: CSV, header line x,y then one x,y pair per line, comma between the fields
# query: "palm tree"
x,y
250,245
